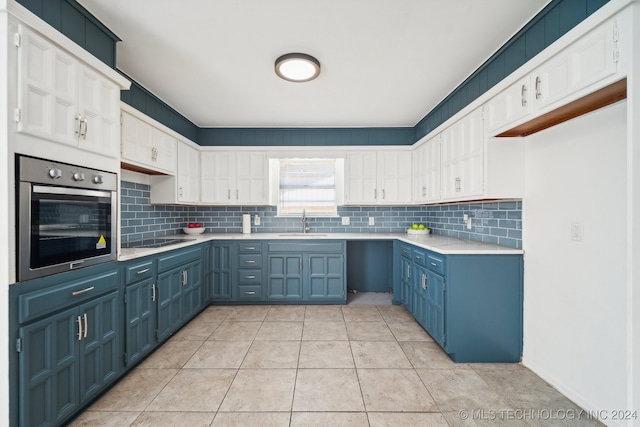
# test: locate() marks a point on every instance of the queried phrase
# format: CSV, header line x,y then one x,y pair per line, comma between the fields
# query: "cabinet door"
x,y
140,319
188,174
48,387
252,178
426,171
462,155
418,294
285,277
191,289
434,315
136,139
163,151
583,63
169,302
394,177
509,106
405,281
100,352
216,176
325,276
360,177
47,89
221,271
99,102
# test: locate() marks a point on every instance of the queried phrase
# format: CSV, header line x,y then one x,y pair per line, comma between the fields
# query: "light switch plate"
x,y
577,232
256,220
372,221
345,220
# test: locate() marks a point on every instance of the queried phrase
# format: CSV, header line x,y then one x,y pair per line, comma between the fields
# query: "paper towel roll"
x,y
246,224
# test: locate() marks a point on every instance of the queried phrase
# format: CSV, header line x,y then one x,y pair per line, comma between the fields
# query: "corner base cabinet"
x,y
471,305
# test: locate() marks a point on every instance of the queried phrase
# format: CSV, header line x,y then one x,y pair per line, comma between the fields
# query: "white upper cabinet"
x,y
188,173
462,160
234,178
584,66
382,177
426,171
145,147
62,100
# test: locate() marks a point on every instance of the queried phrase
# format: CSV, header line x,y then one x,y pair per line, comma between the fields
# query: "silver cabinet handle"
x,y
83,131
538,93
180,191
424,190
153,292
433,263
79,328
418,257
184,278
404,251
375,193
458,183
142,271
86,328
249,261
408,270
82,291
250,248
524,95
249,277
250,293
383,194
300,263
229,194
237,194
78,124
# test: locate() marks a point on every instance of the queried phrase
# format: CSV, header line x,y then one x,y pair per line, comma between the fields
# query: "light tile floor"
x,y
352,365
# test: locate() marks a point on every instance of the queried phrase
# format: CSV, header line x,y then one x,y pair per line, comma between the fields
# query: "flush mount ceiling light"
x,y
297,67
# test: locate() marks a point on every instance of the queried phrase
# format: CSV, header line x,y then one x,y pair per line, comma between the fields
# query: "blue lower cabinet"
x,y
140,320
306,272
179,289
221,271
471,305
67,357
285,277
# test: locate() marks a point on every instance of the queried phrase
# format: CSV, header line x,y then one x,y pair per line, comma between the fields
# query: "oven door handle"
x,y
41,189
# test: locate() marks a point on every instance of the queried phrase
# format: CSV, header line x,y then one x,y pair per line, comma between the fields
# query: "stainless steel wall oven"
x,y
66,217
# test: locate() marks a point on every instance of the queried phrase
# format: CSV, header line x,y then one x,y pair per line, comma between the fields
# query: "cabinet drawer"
x,y
178,257
420,257
135,273
317,247
436,263
249,292
38,303
250,247
405,250
250,260
249,276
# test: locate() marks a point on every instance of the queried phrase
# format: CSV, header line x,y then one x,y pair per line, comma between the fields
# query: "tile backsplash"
x,y
492,222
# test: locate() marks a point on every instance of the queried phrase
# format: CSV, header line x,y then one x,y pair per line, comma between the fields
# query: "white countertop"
x,y
434,242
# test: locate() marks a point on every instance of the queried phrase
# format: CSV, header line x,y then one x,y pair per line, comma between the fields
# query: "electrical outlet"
x,y
345,220
256,220
577,232
372,221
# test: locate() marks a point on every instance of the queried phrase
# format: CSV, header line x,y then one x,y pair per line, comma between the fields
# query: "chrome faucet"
x,y
305,225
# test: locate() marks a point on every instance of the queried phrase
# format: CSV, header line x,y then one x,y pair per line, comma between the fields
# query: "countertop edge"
x,y
445,245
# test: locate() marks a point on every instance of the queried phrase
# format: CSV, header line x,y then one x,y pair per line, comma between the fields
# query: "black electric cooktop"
x,y
155,242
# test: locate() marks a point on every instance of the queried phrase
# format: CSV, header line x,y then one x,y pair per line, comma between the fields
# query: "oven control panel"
x,y
47,172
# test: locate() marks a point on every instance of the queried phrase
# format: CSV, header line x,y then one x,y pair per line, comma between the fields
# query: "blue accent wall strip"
x,y
555,20
306,136
75,22
143,100
491,222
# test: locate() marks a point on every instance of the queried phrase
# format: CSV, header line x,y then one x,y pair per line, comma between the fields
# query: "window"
x,y
308,184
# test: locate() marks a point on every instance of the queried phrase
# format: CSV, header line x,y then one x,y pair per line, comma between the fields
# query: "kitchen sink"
x,y
301,234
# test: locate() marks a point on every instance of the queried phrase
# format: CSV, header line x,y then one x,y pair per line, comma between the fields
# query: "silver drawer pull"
x,y
82,291
86,327
143,271
249,261
433,263
418,257
249,277
250,293
250,248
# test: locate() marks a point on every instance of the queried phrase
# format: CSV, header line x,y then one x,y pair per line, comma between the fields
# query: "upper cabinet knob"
x,y
78,176
97,179
55,173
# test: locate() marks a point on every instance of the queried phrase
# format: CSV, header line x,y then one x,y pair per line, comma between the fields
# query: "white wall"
x,y
575,319
4,225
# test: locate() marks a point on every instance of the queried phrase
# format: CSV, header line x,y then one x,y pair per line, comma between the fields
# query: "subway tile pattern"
x,y
491,222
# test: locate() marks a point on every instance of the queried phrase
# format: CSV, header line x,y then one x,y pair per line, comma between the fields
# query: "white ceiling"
x,y
384,62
